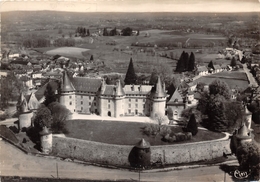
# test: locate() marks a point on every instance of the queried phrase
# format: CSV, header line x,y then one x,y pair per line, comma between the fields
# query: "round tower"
x,y
248,118
25,115
67,95
46,140
158,99
119,100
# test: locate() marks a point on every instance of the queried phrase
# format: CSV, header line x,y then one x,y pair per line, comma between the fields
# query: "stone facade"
x,y
93,95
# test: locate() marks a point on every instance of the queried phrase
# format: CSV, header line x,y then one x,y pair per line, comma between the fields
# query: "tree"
x,y
105,32
91,58
210,65
186,113
191,64
137,32
88,33
49,94
154,77
113,32
43,118
192,126
130,77
180,67
216,113
248,156
60,114
233,62
221,88
127,31
186,61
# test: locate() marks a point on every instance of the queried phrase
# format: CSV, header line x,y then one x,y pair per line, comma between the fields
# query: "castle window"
x,y
129,100
81,102
94,104
136,100
89,97
70,97
143,100
129,111
81,108
136,105
175,112
129,105
89,103
70,103
108,106
82,97
144,105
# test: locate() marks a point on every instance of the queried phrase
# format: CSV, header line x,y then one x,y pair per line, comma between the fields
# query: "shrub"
x,y
192,126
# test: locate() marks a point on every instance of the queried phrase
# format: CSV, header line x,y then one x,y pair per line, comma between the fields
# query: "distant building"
x,y
202,70
92,95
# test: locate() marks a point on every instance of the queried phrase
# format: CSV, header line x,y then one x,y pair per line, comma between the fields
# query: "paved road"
x,y
13,162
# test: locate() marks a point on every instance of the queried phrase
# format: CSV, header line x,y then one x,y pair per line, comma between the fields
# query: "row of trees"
x,y
223,114
124,32
82,31
10,89
186,62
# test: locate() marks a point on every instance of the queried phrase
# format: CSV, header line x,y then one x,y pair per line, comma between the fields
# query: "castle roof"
x,y
142,144
119,89
20,100
67,86
243,132
85,84
33,103
202,68
176,98
113,90
137,89
158,90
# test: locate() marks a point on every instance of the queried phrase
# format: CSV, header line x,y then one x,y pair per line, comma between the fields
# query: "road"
x,y
14,162
250,77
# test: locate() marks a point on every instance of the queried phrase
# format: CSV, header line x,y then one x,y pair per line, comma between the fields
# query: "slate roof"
x,y
243,132
84,84
33,102
216,67
158,90
67,86
176,98
202,68
142,144
137,89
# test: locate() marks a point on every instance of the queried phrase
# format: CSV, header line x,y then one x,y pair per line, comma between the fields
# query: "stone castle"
x,y
92,95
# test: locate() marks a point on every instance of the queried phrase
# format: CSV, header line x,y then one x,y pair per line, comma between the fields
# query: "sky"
x,y
132,5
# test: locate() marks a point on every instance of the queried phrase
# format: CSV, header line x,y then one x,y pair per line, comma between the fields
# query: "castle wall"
x,y
135,105
68,100
118,154
86,103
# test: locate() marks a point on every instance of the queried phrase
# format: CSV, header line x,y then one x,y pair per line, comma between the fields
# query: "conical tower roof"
x,y
243,132
142,144
21,99
119,90
159,91
33,103
45,131
67,86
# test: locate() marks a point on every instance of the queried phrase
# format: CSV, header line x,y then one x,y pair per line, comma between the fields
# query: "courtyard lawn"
x,y
125,133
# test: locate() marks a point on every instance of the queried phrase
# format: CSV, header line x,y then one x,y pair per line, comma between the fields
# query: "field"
x,y
67,51
124,133
234,79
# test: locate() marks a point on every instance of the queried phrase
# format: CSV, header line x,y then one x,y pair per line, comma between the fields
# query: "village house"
x,y
202,70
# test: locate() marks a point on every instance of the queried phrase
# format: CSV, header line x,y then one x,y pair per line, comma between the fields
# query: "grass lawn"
x,y
233,79
124,133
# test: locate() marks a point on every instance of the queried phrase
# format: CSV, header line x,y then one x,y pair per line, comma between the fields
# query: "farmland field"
x,y
67,51
235,80
124,133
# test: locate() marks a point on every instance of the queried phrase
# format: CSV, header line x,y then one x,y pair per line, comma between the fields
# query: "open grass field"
x,y
234,79
124,133
67,51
